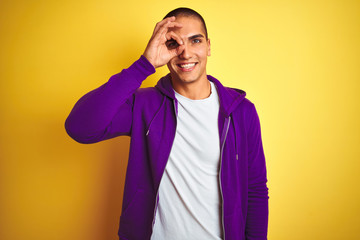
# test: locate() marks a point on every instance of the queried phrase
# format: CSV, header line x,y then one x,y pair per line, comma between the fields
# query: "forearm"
x,y
93,113
257,215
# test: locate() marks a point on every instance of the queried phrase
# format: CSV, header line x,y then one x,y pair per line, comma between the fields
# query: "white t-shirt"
x,y
189,194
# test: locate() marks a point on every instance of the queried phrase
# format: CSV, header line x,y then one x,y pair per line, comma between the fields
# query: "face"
x,y
190,65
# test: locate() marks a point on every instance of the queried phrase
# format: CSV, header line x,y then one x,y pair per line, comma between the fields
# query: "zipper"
x,y
221,155
157,193
148,129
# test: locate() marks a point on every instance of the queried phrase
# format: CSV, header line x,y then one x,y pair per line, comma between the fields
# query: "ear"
x,y
209,47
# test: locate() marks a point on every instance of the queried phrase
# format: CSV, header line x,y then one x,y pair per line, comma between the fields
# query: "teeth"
x,y
189,65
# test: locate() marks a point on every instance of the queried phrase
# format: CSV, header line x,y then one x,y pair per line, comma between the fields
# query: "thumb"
x,y
177,51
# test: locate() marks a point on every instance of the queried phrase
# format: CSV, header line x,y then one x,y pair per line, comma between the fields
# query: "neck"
x,y
193,90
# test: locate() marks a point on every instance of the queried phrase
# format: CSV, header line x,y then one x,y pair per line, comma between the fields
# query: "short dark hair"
x,y
187,12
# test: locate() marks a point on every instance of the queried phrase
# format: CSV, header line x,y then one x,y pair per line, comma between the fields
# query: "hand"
x,y
156,52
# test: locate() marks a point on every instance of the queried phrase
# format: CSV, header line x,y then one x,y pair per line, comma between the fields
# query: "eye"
x,y
172,44
196,41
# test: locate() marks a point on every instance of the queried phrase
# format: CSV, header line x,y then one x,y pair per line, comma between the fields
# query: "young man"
x,y
196,165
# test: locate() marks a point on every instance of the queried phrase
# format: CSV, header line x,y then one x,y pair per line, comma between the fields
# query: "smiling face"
x,y
190,65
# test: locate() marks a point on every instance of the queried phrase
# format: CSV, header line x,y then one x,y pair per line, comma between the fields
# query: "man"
x,y
196,165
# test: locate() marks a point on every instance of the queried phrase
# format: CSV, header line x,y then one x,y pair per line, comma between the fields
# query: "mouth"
x,y
186,67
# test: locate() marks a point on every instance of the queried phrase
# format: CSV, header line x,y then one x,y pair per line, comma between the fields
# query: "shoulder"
x,y
148,96
245,102
147,92
245,109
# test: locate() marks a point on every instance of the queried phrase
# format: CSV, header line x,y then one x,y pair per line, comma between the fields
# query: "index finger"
x,y
174,36
164,22
165,28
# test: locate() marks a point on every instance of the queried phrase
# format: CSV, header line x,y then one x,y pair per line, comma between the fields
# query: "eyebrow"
x,y
196,36
190,38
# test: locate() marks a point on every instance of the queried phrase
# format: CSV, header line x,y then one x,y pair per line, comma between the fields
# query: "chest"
x,y
197,133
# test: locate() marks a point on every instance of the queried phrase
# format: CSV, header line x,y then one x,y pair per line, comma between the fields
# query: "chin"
x,y
185,79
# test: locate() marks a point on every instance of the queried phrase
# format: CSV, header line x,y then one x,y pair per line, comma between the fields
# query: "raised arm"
x,y
106,112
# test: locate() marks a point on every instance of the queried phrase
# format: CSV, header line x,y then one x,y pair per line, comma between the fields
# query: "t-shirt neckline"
x,y
213,89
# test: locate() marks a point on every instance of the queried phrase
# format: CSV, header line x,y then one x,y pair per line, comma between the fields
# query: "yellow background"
x,y
298,61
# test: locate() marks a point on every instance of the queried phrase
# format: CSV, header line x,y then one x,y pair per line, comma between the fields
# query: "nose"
x,y
186,54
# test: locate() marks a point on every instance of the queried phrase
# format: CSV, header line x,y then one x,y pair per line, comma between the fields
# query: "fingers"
x,y
177,51
158,51
163,26
180,49
172,35
161,23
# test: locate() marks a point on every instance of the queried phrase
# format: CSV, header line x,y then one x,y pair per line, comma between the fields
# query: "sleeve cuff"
x,y
143,68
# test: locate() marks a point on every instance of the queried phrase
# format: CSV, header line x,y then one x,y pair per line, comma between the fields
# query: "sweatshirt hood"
x,y
229,98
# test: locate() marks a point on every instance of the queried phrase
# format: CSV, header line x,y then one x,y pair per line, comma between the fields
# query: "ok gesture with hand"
x,y
156,52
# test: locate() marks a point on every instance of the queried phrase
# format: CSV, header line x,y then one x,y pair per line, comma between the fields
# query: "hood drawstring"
x,y
157,112
235,133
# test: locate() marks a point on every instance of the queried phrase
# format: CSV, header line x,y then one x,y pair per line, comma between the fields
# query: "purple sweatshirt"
x,y
148,116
